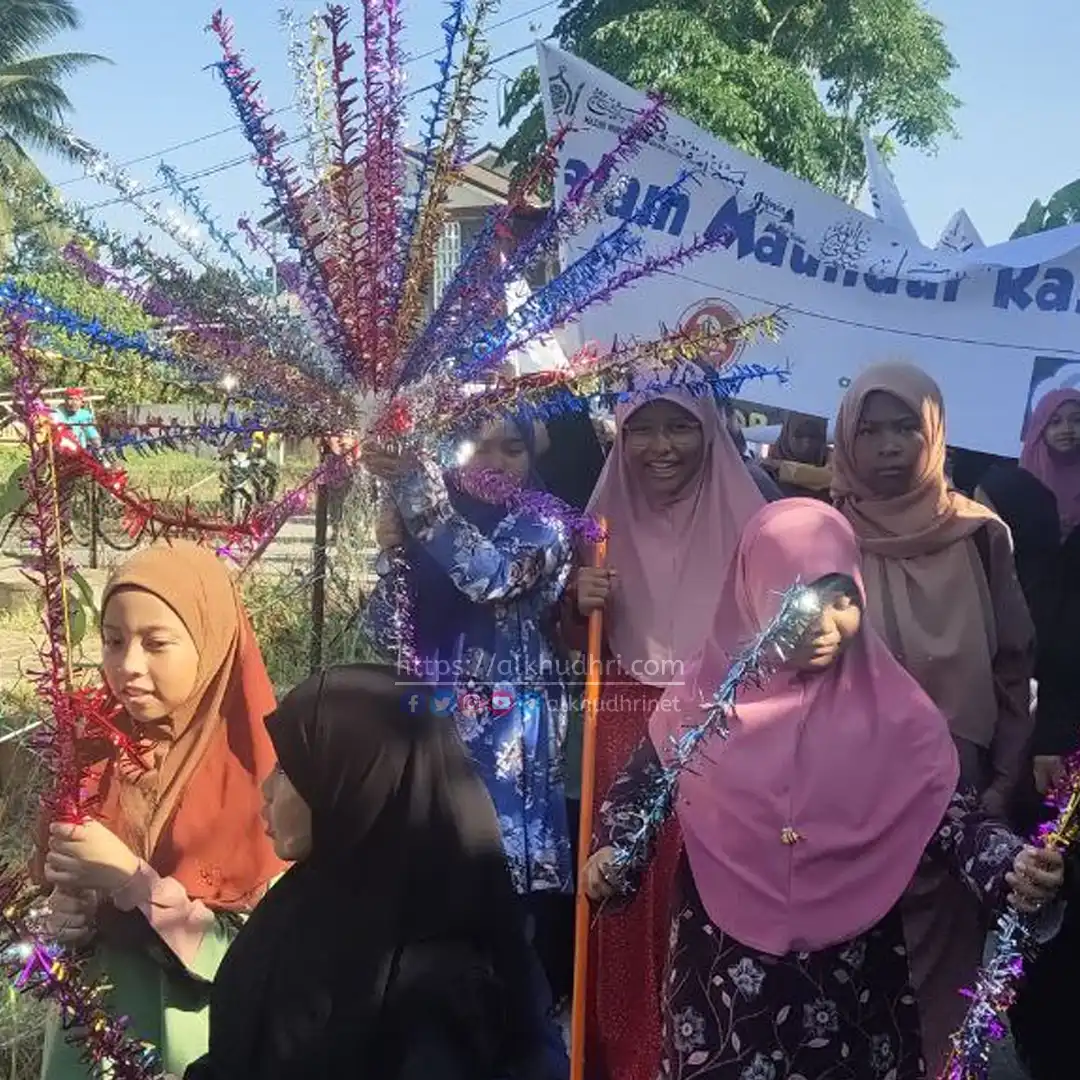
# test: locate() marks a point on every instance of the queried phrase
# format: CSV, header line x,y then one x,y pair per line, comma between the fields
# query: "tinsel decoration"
x,y
799,607
365,253
1015,942
98,166
21,300
630,370
308,63
280,176
44,971
402,628
499,489
212,351
192,202
72,712
478,288
445,156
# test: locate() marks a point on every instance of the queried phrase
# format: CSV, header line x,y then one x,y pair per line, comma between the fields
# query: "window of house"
x,y
447,258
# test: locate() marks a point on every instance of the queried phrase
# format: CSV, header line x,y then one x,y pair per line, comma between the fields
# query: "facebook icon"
x,y
414,703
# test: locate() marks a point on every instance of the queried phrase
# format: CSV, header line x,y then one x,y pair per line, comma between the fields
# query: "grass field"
x,y
174,474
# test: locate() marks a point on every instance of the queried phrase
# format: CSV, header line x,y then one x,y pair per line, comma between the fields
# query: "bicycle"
x,y
93,509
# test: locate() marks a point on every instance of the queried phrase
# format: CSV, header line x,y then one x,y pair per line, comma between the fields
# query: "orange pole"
x,y
588,792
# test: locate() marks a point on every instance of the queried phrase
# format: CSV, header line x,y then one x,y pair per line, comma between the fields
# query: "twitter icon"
x,y
442,702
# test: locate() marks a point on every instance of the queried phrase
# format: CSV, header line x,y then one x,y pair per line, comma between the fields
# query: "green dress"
x,y
168,1004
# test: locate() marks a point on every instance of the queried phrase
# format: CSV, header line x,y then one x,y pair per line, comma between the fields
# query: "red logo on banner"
x,y
714,315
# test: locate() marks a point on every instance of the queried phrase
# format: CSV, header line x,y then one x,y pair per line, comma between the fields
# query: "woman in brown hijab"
x,y
176,850
942,590
799,459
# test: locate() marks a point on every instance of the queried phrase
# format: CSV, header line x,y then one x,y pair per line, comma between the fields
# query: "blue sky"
x,y
1016,78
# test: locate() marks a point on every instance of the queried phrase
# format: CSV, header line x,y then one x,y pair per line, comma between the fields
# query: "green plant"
x,y
22,780
33,108
280,610
792,81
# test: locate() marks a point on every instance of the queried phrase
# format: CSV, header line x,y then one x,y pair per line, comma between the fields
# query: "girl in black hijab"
x,y
1043,1016
393,947
1052,589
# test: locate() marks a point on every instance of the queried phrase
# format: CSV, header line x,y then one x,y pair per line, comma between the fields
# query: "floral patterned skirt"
x,y
732,1013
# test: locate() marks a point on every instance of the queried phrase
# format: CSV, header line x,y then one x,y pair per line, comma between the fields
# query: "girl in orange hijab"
x,y
176,852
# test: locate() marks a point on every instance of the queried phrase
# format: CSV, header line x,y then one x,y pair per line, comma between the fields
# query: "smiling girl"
x,y
802,830
176,851
675,494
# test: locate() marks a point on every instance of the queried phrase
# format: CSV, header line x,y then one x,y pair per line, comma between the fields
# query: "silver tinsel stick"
x,y
799,606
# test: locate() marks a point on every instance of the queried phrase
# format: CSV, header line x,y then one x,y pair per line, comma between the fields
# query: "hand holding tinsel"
x,y
1015,940
498,488
800,605
47,973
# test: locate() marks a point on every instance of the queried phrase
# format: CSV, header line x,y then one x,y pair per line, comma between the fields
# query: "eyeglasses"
x,y
679,433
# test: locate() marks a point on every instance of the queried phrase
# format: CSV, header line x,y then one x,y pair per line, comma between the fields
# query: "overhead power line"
x,y
209,135
244,159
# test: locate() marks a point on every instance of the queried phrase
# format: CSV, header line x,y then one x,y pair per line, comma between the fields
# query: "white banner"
x,y
884,195
960,234
996,326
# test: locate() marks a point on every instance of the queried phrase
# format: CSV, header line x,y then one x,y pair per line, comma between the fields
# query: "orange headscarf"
x,y
195,814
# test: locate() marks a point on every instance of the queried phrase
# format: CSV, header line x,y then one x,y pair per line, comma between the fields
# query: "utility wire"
x,y
199,139
245,159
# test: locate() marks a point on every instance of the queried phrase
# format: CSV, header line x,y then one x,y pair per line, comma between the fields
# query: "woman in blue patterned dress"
x,y
802,830
484,584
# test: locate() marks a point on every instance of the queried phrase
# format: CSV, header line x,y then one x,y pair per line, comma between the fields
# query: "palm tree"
x,y
33,104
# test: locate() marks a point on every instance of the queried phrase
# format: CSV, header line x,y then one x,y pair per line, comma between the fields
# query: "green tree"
x,y
33,102
124,378
31,229
791,81
1062,209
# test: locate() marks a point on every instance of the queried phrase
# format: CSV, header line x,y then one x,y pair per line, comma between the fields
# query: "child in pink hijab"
x,y
1051,452
675,495
803,829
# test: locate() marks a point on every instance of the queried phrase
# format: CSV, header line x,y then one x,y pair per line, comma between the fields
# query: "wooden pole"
x,y
588,786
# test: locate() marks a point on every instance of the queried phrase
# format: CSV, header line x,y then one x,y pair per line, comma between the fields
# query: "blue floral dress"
x,y
498,677
847,1012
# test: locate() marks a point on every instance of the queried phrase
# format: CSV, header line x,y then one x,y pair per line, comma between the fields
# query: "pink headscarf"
x,y
856,760
1061,477
671,559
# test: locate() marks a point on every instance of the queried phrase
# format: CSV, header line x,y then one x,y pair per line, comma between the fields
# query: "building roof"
x,y
483,184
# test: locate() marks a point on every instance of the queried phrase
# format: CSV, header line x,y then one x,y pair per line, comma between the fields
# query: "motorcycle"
x,y
238,485
248,479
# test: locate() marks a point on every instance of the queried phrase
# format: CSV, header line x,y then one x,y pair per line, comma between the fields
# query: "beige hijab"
x,y
927,594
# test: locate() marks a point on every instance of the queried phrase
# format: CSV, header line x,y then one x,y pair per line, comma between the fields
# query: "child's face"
x,y
664,446
287,817
833,631
500,448
149,659
890,446
1063,431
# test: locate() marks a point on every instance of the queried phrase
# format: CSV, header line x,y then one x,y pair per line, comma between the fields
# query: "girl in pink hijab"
x,y
676,495
1052,452
802,830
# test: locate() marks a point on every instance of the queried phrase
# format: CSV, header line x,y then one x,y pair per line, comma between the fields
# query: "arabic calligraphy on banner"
x,y
987,322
